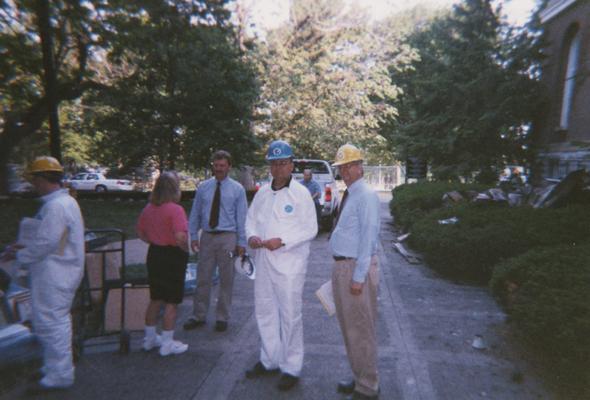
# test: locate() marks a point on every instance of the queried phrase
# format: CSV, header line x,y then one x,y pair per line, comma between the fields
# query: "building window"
x,y
571,68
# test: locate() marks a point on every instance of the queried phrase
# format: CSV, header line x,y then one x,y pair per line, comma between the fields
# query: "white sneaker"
x,y
55,382
173,347
152,342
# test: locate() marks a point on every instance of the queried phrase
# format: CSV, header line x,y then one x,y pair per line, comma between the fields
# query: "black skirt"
x,y
166,267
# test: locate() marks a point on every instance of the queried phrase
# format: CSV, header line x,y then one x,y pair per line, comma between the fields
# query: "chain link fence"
x,y
384,177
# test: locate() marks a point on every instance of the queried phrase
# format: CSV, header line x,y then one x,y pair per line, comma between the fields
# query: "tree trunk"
x,y
173,147
20,124
50,79
17,127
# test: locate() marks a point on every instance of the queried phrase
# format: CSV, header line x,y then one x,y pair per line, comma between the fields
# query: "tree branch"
x,y
20,125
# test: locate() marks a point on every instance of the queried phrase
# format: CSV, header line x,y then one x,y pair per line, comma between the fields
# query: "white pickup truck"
x,y
324,176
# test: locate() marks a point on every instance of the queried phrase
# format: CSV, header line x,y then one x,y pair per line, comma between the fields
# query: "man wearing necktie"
x,y
219,212
355,275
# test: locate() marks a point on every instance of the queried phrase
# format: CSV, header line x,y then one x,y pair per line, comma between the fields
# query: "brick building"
x,y
563,134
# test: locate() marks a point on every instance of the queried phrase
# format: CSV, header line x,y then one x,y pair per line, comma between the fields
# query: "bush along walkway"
x,y
546,292
536,262
457,341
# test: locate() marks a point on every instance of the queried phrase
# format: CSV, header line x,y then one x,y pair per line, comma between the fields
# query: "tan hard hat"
x,y
44,164
347,154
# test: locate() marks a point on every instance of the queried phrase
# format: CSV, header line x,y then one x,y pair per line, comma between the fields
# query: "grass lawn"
x,y
97,214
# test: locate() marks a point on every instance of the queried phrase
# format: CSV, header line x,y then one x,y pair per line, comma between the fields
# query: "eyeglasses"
x,y
346,167
279,163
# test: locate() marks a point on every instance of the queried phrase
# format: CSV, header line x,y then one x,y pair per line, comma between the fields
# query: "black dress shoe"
x,y
360,396
38,389
287,382
193,323
346,387
36,376
221,326
260,370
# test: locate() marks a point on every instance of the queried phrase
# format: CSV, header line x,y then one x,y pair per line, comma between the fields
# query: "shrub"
x,y
412,201
487,234
547,294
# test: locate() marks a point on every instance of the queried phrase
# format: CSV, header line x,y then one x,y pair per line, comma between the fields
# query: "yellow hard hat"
x,y
347,154
44,164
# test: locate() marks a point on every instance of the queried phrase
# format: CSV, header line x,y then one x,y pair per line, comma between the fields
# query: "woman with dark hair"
x,y
163,224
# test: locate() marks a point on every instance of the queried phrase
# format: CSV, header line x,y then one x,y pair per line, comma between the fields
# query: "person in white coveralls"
x,y
55,259
280,224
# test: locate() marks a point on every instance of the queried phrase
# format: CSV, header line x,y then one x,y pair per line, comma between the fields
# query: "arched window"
x,y
571,69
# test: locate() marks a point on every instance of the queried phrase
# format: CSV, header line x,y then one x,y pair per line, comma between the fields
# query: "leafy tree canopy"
x,y
325,81
76,31
470,97
179,90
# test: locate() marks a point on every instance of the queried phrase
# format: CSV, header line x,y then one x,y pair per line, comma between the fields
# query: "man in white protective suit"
x,y
54,256
280,225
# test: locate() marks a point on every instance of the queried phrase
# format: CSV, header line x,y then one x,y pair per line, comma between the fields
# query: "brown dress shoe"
x,y
360,396
221,326
193,323
346,386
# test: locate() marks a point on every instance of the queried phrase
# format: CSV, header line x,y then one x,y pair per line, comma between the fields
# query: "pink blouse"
x,y
158,224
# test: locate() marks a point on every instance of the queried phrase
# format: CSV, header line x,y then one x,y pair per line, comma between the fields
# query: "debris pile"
x,y
573,186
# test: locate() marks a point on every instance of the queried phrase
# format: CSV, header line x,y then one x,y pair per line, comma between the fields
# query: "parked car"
x,y
324,176
98,183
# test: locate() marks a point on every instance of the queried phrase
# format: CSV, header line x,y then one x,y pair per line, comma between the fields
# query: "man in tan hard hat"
x,y
355,275
54,256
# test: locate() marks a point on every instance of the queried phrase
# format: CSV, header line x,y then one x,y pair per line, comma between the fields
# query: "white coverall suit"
x,y
56,263
289,214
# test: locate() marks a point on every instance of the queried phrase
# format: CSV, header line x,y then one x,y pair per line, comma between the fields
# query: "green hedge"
x,y
547,294
411,202
487,234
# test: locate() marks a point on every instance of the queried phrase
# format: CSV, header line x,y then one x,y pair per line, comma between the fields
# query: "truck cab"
x,y
324,175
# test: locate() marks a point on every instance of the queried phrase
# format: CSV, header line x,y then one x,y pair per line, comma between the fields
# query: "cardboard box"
x,y
94,270
137,299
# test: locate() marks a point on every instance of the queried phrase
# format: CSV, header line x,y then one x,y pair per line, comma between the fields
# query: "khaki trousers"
x,y
357,316
215,251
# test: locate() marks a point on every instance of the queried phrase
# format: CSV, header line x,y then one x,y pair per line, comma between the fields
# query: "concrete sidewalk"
x,y
425,331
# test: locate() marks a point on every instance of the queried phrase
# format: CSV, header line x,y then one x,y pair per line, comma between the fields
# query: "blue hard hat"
x,y
279,149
